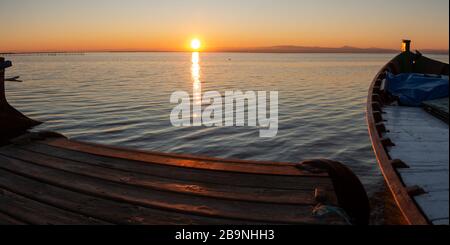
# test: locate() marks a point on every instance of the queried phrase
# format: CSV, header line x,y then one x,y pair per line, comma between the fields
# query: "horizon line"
x,y
269,49
429,51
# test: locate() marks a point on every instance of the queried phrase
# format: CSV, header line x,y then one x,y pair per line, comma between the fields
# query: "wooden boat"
x,y
411,145
46,178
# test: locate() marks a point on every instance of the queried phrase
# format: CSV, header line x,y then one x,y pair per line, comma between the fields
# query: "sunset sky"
x,y
150,25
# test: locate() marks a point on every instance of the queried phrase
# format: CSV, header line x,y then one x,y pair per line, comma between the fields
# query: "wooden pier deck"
x,y
48,179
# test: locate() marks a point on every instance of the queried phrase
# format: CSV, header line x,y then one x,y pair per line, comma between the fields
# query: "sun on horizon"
x,y
196,44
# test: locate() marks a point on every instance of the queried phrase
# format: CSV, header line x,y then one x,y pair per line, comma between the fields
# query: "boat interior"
x,y
411,138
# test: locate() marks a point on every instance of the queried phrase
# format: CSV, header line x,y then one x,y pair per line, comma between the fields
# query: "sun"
x,y
196,44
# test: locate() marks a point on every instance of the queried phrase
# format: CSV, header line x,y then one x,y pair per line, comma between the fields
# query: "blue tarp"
x,y
412,88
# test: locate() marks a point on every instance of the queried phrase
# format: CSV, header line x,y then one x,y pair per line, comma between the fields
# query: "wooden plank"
x,y
421,163
430,181
420,128
251,211
431,149
411,116
421,167
182,156
38,213
412,120
422,160
8,220
111,211
418,134
179,161
186,174
434,204
421,141
224,191
441,221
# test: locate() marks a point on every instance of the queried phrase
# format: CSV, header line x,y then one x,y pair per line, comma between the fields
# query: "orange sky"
x,y
108,25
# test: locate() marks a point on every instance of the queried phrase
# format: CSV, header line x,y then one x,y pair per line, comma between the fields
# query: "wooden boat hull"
x,y
403,195
48,179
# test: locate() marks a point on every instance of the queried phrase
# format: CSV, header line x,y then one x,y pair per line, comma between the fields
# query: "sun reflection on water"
x,y
197,88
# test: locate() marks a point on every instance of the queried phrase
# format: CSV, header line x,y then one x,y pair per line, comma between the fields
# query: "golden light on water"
x,y
196,44
195,68
195,72
197,88
195,58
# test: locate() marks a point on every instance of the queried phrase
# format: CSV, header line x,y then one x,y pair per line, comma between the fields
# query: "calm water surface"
x,y
123,99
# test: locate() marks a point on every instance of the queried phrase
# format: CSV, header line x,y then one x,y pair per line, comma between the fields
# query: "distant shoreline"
x,y
266,50
211,52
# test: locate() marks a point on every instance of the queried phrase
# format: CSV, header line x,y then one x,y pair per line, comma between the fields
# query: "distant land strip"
x,y
42,53
345,49
273,49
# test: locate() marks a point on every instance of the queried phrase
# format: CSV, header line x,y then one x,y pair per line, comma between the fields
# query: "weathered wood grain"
x,y
198,205
186,174
38,213
421,141
111,211
180,160
225,191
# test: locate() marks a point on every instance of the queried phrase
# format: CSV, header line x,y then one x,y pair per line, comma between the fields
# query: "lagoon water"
x,y
123,99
